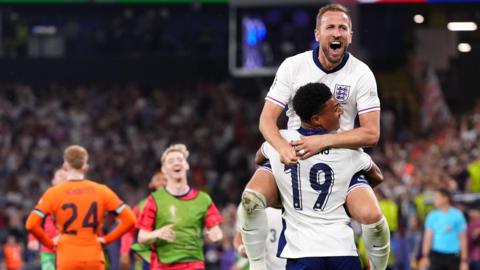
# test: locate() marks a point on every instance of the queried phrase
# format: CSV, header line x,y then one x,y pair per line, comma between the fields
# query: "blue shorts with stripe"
x,y
325,263
266,166
358,180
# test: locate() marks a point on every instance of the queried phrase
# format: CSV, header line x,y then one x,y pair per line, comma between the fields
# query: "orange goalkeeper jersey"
x,y
78,207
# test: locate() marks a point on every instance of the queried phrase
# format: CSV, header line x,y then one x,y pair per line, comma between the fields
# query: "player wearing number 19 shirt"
x,y
77,206
316,232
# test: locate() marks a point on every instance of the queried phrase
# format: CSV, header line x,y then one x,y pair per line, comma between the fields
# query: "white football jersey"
x,y
313,193
352,84
274,218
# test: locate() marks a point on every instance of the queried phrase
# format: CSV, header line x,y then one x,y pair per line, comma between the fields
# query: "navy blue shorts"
x,y
325,263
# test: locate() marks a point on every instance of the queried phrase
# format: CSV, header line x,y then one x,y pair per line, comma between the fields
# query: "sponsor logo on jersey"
x,y
341,92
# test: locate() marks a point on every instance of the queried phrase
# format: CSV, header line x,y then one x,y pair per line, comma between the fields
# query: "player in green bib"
x,y
128,247
173,218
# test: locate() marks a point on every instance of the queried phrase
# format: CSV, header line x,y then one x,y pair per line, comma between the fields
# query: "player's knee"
x,y
253,200
371,216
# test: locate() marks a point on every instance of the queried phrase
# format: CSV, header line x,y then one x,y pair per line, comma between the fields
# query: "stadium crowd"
x,y
126,128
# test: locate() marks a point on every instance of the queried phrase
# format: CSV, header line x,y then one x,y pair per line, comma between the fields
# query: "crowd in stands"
x,y
109,30
126,128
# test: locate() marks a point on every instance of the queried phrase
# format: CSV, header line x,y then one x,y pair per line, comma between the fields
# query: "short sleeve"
x,y
362,160
146,221
112,202
281,90
429,221
212,216
267,150
45,205
462,223
367,95
366,162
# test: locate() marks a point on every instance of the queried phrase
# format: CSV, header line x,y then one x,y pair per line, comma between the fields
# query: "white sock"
x,y
254,223
377,243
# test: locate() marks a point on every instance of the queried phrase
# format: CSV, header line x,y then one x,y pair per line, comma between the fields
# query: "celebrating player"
x,y
78,206
317,232
174,217
353,86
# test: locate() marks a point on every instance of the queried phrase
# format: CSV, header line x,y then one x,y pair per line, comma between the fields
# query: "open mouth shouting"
x,y
335,48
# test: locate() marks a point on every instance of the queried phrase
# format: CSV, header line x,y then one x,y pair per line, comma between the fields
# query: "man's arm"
x,y
270,131
366,135
374,175
164,233
212,221
215,233
33,225
127,222
259,157
127,240
463,248
427,243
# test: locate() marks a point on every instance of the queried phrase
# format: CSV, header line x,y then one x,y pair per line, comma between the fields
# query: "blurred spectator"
x,y
12,253
473,235
132,124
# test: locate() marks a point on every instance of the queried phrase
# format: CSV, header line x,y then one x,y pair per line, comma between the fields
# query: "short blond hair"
x,y
333,7
179,147
76,156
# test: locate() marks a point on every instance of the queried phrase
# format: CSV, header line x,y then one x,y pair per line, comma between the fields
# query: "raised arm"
x,y
367,134
270,131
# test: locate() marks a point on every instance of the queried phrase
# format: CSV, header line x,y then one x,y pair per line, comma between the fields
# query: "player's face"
x,y
329,117
59,176
175,166
158,180
334,35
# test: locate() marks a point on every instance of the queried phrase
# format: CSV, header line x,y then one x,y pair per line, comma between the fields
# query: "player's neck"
x,y
306,125
327,65
177,187
444,208
75,175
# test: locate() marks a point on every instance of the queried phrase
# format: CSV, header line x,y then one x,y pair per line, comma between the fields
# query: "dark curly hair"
x,y
310,99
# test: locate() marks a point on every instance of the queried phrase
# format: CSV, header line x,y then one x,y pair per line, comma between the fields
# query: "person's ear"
x,y
85,168
315,119
316,33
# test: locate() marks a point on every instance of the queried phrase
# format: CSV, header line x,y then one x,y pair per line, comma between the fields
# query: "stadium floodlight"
x,y
464,47
47,30
462,26
418,18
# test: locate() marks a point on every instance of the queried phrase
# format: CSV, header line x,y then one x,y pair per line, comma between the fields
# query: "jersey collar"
x,y
189,195
319,65
309,132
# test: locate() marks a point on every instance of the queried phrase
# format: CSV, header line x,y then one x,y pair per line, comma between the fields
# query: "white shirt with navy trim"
x,y
352,84
313,193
